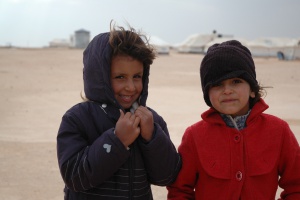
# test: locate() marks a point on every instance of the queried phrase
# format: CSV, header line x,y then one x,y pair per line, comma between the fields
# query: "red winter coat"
x,y
220,162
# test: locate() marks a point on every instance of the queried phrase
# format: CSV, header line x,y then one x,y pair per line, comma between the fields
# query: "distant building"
x,y
81,39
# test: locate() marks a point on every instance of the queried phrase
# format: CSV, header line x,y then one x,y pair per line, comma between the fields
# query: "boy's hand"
x,y
146,122
127,128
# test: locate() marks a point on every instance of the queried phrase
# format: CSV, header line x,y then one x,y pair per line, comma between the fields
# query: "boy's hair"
x,y
131,43
227,60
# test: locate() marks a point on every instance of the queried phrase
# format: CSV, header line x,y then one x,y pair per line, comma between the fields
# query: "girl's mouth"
x,y
228,100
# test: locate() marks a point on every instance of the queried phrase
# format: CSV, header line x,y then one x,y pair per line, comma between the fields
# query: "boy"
x,y
112,146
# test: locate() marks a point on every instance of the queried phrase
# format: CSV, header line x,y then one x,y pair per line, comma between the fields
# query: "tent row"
x,y
282,48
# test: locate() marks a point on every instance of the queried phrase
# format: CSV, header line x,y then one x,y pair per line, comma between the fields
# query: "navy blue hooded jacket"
x,y
93,162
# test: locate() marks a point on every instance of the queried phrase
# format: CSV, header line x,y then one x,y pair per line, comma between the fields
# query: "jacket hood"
x,y
96,72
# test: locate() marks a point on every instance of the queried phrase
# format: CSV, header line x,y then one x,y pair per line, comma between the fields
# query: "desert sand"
x,y
39,85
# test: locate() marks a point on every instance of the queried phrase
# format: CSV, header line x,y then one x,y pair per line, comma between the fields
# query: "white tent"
x,y
224,39
283,48
194,43
161,46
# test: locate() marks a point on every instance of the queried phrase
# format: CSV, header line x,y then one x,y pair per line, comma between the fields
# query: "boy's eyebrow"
x,y
122,73
117,74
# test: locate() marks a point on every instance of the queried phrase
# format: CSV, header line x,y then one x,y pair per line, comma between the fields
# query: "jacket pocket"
x,y
263,162
215,161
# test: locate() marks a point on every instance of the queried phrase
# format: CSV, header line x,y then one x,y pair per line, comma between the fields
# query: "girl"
x,y
236,152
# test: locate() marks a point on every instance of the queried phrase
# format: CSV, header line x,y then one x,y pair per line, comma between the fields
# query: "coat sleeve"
x,y
289,166
161,158
84,165
183,187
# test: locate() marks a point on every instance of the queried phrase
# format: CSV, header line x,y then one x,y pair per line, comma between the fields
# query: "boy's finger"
x,y
128,115
136,122
132,117
121,113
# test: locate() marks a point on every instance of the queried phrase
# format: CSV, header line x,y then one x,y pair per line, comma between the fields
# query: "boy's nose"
x,y
130,85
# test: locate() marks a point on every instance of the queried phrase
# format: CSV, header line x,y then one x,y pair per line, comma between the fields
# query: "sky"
x,y
34,23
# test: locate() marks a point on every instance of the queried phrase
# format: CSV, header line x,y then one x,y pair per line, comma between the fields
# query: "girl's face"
x,y
126,79
231,96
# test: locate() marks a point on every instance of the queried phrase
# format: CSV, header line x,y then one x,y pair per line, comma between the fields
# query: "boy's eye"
x,y
137,76
119,77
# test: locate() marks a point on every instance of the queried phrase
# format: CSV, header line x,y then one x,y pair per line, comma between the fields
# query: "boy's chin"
x,y
126,107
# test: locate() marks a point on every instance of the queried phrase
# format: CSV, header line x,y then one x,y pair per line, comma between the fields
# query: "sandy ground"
x,y
39,85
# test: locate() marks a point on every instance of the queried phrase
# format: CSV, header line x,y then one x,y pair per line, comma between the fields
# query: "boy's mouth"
x,y
126,98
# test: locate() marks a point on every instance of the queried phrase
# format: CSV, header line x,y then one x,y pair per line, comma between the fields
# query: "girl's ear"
x,y
252,95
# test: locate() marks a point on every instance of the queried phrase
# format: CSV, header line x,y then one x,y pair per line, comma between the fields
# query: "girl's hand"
x,y
127,128
146,122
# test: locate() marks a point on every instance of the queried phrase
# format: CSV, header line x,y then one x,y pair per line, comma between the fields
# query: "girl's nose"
x,y
227,89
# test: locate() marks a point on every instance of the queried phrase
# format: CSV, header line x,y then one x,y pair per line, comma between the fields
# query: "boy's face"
x,y
126,79
231,96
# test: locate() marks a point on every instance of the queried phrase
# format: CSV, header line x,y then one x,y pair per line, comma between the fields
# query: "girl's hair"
x,y
259,91
131,43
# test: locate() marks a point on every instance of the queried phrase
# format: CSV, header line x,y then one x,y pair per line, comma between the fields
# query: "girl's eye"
x,y
237,81
216,85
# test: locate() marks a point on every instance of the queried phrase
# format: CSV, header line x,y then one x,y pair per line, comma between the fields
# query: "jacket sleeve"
x,y
183,187
289,166
162,161
84,165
